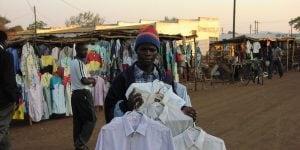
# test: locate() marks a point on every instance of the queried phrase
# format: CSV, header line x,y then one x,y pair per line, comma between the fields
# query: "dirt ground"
x,y
247,118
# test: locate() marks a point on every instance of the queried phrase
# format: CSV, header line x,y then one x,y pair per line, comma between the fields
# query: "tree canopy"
x,y
39,25
85,19
295,23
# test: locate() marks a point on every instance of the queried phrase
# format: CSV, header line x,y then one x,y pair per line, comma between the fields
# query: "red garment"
x,y
66,80
60,72
92,56
125,66
40,75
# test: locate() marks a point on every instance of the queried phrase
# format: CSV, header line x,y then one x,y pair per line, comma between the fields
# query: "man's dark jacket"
x,y
9,92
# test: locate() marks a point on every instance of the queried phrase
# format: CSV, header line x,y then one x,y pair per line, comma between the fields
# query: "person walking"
x,y
9,93
84,116
277,64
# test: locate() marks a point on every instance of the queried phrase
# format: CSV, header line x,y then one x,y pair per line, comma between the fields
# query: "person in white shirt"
x,y
84,116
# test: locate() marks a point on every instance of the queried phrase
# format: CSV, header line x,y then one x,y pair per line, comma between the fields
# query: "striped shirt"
x,y
78,71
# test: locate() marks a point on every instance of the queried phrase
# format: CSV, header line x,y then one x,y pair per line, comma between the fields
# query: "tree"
x,y
86,19
16,28
171,19
295,23
39,25
4,20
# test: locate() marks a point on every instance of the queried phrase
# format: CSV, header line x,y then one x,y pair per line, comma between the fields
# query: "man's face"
x,y
83,53
146,53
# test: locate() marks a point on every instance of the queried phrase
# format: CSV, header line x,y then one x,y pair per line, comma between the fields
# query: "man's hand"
x,y
135,100
190,112
93,80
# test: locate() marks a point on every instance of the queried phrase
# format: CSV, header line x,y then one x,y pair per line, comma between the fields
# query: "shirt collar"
x,y
139,72
142,126
190,142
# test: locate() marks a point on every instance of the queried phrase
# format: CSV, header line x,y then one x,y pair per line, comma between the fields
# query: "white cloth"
x,y
158,86
198,139
167,111
36,103
249,46
182,92
78,71
68,95
55,53
256,47
120,134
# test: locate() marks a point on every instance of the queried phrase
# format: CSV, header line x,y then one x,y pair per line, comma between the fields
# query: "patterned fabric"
x,y
141,77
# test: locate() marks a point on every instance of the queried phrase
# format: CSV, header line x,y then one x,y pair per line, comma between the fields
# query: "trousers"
x,y
84,116
6,114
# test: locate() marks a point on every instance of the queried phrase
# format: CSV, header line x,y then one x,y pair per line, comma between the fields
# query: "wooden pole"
x,y
35,23
233,30
287,56
293,55
195,72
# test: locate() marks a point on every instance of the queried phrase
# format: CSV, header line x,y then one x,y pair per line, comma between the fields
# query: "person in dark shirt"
x,y
9,94
143,71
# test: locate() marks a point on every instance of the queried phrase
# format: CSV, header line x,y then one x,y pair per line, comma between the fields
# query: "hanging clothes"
x,y
65,52
43,50
93,61
28,58
55,53
58,96
68,95
35,102
14,53
256,47
45,82
49,61
94,47
99,91
123,133
118,48
65,62
198,139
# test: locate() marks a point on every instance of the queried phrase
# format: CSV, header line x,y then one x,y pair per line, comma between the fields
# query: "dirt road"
x,y
247,118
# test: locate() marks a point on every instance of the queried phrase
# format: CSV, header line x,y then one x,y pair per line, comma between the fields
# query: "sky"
x,y
273,15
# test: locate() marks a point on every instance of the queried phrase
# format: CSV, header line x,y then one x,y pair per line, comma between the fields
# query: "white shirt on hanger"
x,y
158,86
165,111
119,134
198,139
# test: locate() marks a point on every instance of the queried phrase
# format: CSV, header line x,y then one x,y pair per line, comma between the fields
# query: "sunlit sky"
x,y
273,14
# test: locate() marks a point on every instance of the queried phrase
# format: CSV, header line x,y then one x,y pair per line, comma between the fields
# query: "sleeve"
x,y
169,143
54,65
117,111
80,70
115,93
99,145
11,90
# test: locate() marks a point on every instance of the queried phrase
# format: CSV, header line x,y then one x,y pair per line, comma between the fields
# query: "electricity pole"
x,y
35,23
234,6
250,29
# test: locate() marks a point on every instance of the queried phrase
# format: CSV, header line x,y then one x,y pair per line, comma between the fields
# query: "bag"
x,y
19,114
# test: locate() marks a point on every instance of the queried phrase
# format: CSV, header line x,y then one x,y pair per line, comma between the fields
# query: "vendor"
x,y
143,71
